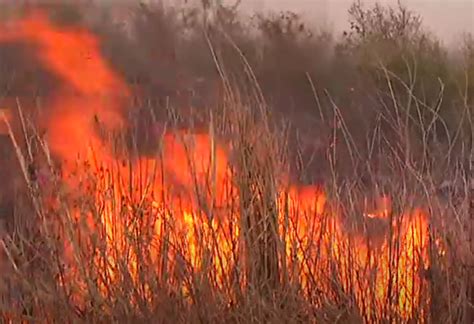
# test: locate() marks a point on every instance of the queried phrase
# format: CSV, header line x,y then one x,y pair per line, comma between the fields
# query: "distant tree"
x,y
394,38
382,24
390,41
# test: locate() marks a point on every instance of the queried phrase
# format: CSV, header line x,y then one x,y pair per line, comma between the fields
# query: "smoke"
x,y
446,22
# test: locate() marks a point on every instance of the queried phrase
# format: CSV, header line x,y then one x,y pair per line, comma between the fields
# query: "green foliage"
x,y
393,37
391,43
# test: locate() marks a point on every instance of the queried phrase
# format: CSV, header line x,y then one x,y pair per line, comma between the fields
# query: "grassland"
x,y
261,171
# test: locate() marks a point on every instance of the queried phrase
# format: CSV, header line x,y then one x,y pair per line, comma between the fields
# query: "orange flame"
x,y
319,250
5,117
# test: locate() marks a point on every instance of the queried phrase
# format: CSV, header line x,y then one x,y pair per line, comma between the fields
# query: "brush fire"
x,y
185,215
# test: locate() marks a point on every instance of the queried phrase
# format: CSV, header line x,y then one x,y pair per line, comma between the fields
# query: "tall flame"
x,y
318,246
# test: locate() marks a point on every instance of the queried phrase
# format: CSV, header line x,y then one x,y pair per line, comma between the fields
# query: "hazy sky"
x,y
446,18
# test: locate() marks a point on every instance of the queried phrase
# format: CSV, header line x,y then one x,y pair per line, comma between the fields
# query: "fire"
x,y
155,202
5,117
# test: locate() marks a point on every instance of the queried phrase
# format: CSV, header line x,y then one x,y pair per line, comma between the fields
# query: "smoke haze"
x,y
447,19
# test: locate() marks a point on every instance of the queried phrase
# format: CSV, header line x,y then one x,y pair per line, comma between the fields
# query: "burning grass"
x,y
211,226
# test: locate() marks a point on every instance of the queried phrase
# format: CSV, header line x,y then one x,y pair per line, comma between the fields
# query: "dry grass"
x,y
259,287
59,263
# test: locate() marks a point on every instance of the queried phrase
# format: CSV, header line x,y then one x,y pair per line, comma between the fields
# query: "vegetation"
x,y
185,213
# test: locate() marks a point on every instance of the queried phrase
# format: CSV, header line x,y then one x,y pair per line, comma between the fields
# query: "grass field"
x,y
160,166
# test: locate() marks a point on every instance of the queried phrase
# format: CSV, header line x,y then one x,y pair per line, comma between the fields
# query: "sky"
x,y
447,19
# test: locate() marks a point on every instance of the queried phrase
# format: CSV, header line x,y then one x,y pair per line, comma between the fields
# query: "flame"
x,y
5,117
199,230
